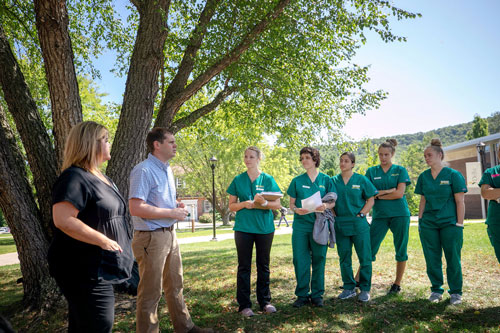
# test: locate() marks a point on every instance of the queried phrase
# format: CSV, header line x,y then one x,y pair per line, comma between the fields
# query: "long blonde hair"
x,y
83,145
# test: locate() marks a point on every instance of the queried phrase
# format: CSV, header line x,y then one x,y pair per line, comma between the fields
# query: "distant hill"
x,y
449,135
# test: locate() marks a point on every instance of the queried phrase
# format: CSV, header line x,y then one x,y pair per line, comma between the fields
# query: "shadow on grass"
x,y
7,241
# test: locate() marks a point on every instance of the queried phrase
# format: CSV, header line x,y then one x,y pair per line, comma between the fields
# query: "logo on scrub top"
x,y
395,174
445,182
322,186
259,187
356,187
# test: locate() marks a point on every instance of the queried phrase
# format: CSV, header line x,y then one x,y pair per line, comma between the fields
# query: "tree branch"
x,y
172,103
197,114
186,67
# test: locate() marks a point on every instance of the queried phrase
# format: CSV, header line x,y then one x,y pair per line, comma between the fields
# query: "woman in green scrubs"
x,y
355,199
306,252
490,190
441,222
391,209
253,226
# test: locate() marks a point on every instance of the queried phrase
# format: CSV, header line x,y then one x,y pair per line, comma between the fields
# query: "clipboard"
x,y
269,196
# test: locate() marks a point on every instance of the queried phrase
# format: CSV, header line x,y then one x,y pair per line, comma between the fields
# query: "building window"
x,y
207,206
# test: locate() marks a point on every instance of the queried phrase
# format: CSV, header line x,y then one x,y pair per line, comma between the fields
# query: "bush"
x,y
205,218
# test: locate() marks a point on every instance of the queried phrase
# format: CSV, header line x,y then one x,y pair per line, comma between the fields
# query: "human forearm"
x,y
460,202
64,215
368,206
490,193
143,210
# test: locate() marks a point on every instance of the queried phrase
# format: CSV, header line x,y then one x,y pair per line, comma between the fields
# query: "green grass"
x,y
7,244
185,233
210,285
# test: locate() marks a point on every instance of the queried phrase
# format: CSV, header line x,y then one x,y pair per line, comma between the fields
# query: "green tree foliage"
x,y
479,128
413,160
367,156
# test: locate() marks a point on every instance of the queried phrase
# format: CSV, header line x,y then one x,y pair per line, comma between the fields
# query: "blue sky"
x,y
447,71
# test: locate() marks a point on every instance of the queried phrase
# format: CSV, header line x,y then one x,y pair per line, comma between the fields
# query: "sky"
x,y
447,71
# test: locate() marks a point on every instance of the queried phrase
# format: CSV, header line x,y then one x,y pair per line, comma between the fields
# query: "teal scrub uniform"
x,y
255,221
437,227
390,214
305,250
350,229
492,177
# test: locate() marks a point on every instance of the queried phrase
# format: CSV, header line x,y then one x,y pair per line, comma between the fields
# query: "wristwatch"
x,y
265,204
361,214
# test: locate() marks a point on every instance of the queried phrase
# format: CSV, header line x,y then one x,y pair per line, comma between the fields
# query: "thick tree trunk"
x,y
52,25
129,144
39,151
23,218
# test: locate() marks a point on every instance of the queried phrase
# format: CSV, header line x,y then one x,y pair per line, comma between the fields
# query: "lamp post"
x,y
213,162
481,147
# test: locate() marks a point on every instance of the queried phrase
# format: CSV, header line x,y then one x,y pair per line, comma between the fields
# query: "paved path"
x,y
11,258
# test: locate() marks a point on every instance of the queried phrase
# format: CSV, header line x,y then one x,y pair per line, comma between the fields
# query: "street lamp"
x,y
213,162
481,147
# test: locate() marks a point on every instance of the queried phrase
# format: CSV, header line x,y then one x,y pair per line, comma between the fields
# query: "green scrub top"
x,y
352,197
256,221
440,207
387,180
492,177
300,188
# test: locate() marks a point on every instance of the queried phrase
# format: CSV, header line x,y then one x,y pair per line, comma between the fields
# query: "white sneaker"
x,y
247,312
347,294
269,308
455,299
364,296
435,297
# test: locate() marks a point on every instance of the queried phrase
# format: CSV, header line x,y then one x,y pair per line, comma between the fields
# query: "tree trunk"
x,y
36,141
225,217
23,219
129,144
52,25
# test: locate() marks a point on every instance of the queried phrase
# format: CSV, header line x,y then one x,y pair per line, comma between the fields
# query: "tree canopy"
x,y
282,67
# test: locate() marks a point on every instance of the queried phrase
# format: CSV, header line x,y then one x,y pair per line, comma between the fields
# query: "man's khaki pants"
x,y
160,264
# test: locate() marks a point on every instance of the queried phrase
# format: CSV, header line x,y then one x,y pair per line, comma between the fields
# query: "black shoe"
x,y
357,285
395,289
318,302
300,302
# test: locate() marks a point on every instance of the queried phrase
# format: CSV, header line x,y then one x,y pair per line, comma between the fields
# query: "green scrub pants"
x,y
362,246
306,252
494,235
400,228
447,239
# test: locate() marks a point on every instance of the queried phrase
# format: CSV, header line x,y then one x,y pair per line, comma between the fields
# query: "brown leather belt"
x,y
165,228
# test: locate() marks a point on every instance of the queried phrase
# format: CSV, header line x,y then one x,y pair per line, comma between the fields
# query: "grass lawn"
x,y
7,244
185,233
210,284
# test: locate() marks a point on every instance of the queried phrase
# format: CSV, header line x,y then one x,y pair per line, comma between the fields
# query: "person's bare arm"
x,y
65,219
140,208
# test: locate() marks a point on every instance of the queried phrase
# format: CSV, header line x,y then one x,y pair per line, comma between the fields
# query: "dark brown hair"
x,y
156,134
314,154
389,143
351,156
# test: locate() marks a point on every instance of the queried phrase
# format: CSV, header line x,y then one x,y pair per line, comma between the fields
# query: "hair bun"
x,y
436,142
392,142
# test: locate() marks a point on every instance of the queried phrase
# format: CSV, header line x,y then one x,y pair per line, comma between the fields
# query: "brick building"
x,y
470,158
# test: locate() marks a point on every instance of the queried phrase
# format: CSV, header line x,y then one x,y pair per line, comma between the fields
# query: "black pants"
x,y
91,305
244,246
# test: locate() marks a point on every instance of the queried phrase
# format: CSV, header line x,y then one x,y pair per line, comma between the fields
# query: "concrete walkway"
x,y
11,258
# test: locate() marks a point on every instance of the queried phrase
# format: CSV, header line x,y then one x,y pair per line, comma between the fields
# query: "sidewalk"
x,y
11,258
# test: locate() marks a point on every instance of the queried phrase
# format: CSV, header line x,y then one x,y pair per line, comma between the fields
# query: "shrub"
x,y
205,218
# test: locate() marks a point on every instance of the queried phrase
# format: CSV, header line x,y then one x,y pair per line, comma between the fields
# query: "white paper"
x,y
312,202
